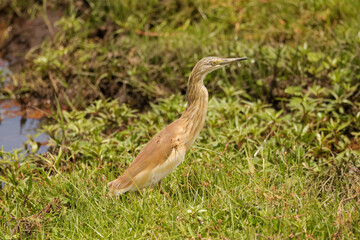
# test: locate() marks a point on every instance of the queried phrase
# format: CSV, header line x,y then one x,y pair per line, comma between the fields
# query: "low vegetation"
x,y
279,156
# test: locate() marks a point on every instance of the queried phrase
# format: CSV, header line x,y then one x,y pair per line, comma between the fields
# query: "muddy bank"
x,y
72,83
19,34
25,35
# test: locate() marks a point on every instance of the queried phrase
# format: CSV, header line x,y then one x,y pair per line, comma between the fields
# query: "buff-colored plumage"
x,y
166,150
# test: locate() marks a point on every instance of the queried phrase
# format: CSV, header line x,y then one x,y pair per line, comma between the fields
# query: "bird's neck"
x,y
195,113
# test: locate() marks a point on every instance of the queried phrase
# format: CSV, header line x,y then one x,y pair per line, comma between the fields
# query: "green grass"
x,y
253,172
279,156
139,52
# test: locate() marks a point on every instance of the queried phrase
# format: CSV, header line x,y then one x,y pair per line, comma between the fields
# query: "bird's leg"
x,y
159,184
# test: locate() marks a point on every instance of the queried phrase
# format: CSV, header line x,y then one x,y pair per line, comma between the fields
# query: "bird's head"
x,y
209,64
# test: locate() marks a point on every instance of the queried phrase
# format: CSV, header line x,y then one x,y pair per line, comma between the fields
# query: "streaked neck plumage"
x,y
195,113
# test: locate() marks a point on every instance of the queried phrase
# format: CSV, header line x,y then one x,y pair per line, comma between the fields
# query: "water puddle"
x,y
18,123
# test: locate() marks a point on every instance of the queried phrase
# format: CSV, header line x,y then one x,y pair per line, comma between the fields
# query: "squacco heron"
x,y
166,150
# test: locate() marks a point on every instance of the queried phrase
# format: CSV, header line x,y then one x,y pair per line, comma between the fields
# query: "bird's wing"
x,y
155,153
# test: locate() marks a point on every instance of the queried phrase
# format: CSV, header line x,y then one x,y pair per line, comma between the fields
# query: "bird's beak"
x,y
226,61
